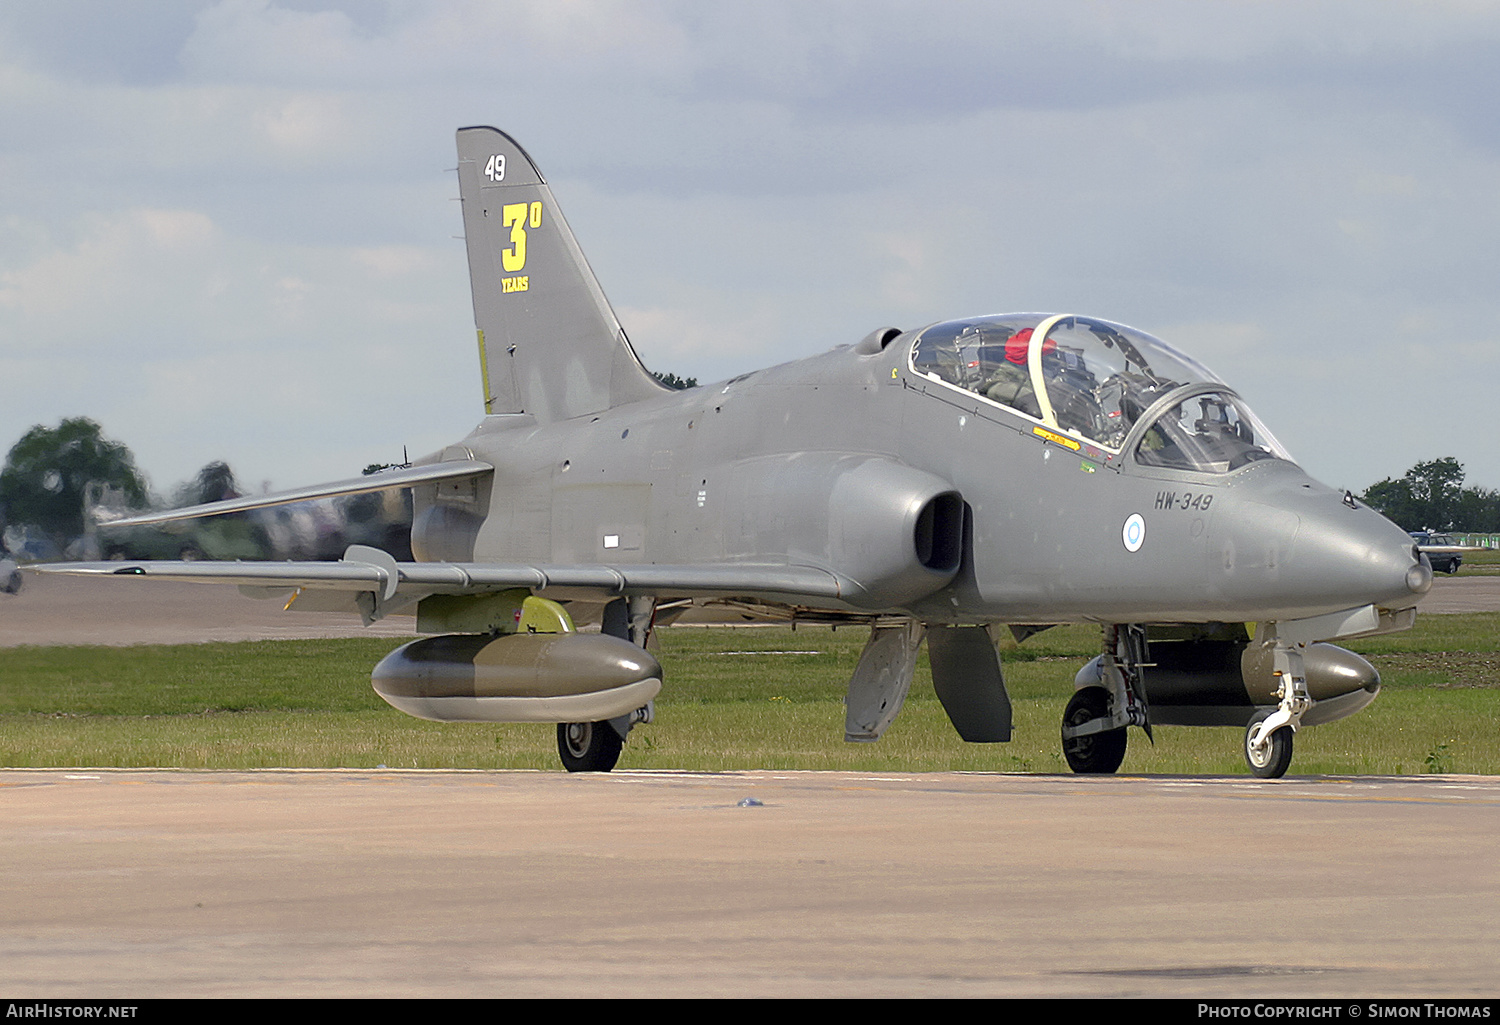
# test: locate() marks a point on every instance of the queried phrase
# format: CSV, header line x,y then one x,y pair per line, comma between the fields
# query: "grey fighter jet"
x,y
933,484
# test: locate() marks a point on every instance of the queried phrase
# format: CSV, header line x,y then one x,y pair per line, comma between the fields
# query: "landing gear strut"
x,y
1268,740
595,746
1110,698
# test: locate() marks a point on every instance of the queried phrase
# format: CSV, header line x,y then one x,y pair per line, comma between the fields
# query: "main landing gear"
x,y
1110,697
595,746
588,746
1093,746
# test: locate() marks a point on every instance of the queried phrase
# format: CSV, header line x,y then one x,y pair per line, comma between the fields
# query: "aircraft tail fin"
x,y
549,344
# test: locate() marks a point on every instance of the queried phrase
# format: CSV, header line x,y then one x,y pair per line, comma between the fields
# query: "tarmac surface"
x,y
116,611
131,883
124,884
1462,594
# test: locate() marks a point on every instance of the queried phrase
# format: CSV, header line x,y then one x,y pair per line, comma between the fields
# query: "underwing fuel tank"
x,y
1213,682
523,677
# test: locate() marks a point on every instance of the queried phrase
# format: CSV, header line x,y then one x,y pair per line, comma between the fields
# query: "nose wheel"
x,y
1268,752
588,746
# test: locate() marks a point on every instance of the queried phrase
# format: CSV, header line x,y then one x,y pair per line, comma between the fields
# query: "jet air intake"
x,y
896,532
524,677
939,534
890,533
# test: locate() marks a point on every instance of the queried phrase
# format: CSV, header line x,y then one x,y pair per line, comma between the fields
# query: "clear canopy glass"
x,y
1213,432
1094,380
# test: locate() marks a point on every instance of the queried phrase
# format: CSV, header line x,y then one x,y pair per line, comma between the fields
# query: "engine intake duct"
x,y
939,534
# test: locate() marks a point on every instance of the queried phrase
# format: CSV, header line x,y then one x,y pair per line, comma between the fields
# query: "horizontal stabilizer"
x,y
404,477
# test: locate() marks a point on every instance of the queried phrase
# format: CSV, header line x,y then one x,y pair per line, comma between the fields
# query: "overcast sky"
x,y
229,228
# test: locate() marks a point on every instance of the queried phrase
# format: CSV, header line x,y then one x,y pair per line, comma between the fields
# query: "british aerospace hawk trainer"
x,y
934,484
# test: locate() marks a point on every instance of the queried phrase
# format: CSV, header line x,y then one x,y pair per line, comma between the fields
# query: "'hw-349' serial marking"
x,y
1200,500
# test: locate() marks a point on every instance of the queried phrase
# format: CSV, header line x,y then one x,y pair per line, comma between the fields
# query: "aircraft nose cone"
x,y
1310,549
1360,553
1419,577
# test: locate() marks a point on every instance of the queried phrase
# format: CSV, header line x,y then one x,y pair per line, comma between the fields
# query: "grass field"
x,y
1480,563
735,698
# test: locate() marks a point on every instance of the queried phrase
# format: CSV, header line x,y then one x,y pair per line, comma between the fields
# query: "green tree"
x,y
671,380
214,483
1478,510
1431,494
1393,500
1436,486
47,471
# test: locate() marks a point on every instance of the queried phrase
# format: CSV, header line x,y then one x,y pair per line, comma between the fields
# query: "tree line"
x,y
60,484
1431,495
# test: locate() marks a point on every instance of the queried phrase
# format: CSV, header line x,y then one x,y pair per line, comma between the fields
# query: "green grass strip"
x,y
735,698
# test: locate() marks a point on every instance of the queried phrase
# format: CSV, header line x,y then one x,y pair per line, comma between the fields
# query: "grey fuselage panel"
x,y
824,462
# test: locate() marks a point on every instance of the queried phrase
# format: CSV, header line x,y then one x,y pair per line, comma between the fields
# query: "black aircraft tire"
x,y
1098,753
588,746
1277,757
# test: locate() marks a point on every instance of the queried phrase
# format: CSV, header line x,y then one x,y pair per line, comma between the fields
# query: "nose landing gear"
x,y
1268,740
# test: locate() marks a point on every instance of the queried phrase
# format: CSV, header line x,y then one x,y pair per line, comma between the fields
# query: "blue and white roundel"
x,y
1134,534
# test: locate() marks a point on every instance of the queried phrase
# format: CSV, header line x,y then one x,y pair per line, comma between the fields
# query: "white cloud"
x,y
394,261
125,265
303,126
223,191
255,39
674,338
437,44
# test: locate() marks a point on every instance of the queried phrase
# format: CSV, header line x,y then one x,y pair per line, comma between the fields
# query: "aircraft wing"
x,y
371,582
403,477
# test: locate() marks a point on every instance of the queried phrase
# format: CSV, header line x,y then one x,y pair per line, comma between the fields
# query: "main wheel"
x,y
1272,760
1097,752
588,746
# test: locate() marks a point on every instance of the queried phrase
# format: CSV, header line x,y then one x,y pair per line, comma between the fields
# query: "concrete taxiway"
x,y
1461,594
116,611
341,883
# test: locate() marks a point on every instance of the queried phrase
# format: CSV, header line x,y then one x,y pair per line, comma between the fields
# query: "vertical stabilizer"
x,y
549,344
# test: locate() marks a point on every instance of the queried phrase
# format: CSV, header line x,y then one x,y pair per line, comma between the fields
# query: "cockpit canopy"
x,y
1095,381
